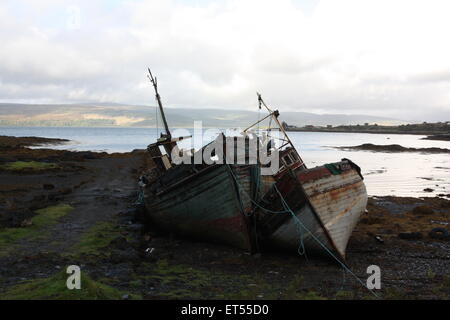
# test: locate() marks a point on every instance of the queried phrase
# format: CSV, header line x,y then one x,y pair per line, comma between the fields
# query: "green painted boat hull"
x,y
210,205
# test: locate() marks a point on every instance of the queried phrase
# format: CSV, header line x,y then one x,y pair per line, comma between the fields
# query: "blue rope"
x,y
285,205
249,197
301,250
301,247
140,199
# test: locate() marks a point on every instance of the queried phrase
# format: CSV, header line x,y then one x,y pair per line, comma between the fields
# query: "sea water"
x,y
385,173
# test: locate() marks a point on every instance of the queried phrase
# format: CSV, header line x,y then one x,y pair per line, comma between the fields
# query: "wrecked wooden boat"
x,y
199,200
253,204
310,209
203,203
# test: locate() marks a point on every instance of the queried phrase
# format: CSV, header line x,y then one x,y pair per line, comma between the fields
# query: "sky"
x,y
383,58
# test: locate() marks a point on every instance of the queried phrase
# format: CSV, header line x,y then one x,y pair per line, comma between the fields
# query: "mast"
x,y
154,81
274,114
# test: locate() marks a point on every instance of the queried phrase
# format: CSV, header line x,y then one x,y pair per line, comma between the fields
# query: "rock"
x,y
26,223
410,235
54,196
428,190
144,241
39,198
371,220
88,155
125,297
150,255
64,191
423,210
147,237
16,219
135,227
128,212
120,243
119,256
439,233
125,220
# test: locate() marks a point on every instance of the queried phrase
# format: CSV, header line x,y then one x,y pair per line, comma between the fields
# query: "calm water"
x,y
401,174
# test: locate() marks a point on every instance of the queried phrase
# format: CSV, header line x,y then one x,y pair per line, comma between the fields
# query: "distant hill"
x,y
113,114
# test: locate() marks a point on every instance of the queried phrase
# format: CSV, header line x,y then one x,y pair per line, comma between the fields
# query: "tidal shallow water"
x,y
399,174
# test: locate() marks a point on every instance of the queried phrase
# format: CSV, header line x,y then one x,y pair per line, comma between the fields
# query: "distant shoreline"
x,y
437,136
433,131
423,133
392,148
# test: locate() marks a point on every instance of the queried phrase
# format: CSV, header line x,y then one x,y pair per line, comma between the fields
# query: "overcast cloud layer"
x,y
386,58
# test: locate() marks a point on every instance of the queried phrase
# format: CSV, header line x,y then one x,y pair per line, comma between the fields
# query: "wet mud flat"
x,y
81,208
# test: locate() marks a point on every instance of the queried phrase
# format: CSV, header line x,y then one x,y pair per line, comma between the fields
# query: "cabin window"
x,y
294,156
163,151
287,159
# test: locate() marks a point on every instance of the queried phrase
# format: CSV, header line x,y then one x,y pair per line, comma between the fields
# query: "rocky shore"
x,y
441,137
61,208
392,148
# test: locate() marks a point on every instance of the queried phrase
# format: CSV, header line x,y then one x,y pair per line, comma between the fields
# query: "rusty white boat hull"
x,y
327,203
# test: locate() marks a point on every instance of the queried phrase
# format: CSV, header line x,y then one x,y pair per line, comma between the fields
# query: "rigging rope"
x,y
157,125
286,206
301,250
140,200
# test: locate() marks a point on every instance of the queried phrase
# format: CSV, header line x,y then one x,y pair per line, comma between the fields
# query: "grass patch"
x,y
96,238
262,289
345,295
443,290
28,166
43,218
54,288
178,281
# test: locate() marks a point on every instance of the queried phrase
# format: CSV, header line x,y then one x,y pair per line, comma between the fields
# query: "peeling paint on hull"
x,y
327,206
339,201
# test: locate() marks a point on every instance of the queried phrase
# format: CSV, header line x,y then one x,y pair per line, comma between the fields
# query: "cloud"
x,y
374,57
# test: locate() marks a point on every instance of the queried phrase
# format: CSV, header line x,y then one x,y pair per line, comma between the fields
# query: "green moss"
x,y
344,295
262,289
394,294
291,291
430,274
310,295
43,218
135,283
54,288
443,289
178,281
19,166
96,238
178,294
50,215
